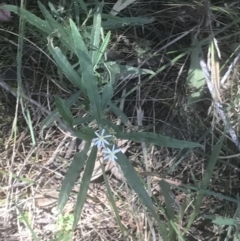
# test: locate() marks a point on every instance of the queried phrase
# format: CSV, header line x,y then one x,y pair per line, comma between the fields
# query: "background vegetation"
x,y
119,120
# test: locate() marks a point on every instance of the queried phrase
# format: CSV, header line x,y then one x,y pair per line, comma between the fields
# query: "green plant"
x,y
96,92
64,227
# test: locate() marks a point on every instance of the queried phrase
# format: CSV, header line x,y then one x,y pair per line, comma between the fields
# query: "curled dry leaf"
x,y
5,15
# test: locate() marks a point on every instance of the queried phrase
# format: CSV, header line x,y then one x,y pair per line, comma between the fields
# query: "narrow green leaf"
x,y
77,40
55,115
64,110
95,34
206,179
108,90
169,201
71,176
30,126
125,70
195,79
157,140
77,13
103,48
194,179
221,220
64,64
177,231
135,183
29,17
107,94
119,113
47,14
116,128
224,221
82,120
83,5
26,221
220,196
54,10
84,185
114,22
85,133
57,29
17,177
90,83
113,203
113,69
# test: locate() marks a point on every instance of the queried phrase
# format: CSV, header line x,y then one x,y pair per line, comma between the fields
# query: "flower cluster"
x,y
101,142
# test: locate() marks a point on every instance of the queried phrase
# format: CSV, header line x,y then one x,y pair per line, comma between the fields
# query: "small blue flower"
x,y
101,141
110,154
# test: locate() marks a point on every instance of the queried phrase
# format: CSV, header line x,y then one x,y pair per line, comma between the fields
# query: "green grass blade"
x,y
83,5
82,120
220,196
177,230
30,126
53,10
108,90
135,182
157,140
107,94
47,27
206,179
57,28
194,179
55,115
85,133
116,128
95,34
113,69
221,220
114,22
84,185
28,225
77,13
17,177
125,70
103,48
64,110
195,79
48,17
90,83
113,203
169,202
71,176
29,17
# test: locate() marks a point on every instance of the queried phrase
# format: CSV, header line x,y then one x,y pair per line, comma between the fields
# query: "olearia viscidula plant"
x,y
82,75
